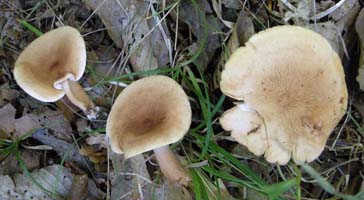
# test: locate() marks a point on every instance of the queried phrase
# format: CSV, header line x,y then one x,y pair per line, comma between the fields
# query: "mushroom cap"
x,y
151,112
293,86
52,58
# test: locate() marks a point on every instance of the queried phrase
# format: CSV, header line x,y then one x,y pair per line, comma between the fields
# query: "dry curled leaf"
x,y
94,156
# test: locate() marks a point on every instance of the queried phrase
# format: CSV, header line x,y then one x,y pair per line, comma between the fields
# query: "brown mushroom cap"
x,y
52,58
151,112
293,86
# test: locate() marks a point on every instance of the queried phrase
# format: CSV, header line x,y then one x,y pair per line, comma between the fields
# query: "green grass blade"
x,y
198,186
326,185
277,189
223,154
30,27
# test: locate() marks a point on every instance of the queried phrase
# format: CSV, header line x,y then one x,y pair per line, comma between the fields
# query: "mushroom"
x,y
150,114
51,65
293,87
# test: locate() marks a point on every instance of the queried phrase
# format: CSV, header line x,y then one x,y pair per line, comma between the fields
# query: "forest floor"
x,y
52,151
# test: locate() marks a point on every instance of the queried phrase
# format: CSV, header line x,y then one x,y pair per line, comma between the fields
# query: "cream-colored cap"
x,y
293,86
151,112
52,58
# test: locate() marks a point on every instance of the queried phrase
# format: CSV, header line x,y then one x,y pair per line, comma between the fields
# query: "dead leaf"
x,y
172,192
300,14
343,10
330,31
10,164
127,24
346,21
66,151
11,30
81,125
26,124
7,94
7,189
79,188
130,178
359,26
94,193
55,181
44,118
242,31
7,121
65,110
97,139
95,157
235,4
204,26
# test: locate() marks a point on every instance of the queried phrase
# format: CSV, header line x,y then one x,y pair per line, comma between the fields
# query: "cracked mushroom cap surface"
x,y
151,112
293,87
52,58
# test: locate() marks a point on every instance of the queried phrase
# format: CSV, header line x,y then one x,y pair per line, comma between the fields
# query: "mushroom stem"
x,y
77,95
171,166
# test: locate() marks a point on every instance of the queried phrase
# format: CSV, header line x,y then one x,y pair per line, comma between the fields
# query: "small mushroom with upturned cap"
x,y
150,114
51,65
293,86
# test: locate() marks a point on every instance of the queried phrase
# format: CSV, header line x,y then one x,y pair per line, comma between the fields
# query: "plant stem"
x,y
171,166
77,95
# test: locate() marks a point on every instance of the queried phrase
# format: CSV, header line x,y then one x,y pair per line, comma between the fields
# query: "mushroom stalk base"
x,y
171,166
77,95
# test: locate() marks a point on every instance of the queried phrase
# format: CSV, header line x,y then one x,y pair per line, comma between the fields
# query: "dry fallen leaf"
x,y
26,124
330,31
130,28
65,109
7,94
97,139
10,164
204,26
7,121
343,10
44,118
79,188
130,178
359,26
172,192
7,189
241,32
67,151
55,181
95,157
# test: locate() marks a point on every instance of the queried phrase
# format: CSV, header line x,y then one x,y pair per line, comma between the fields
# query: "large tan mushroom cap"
x,y
293,86
52,58
151,112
